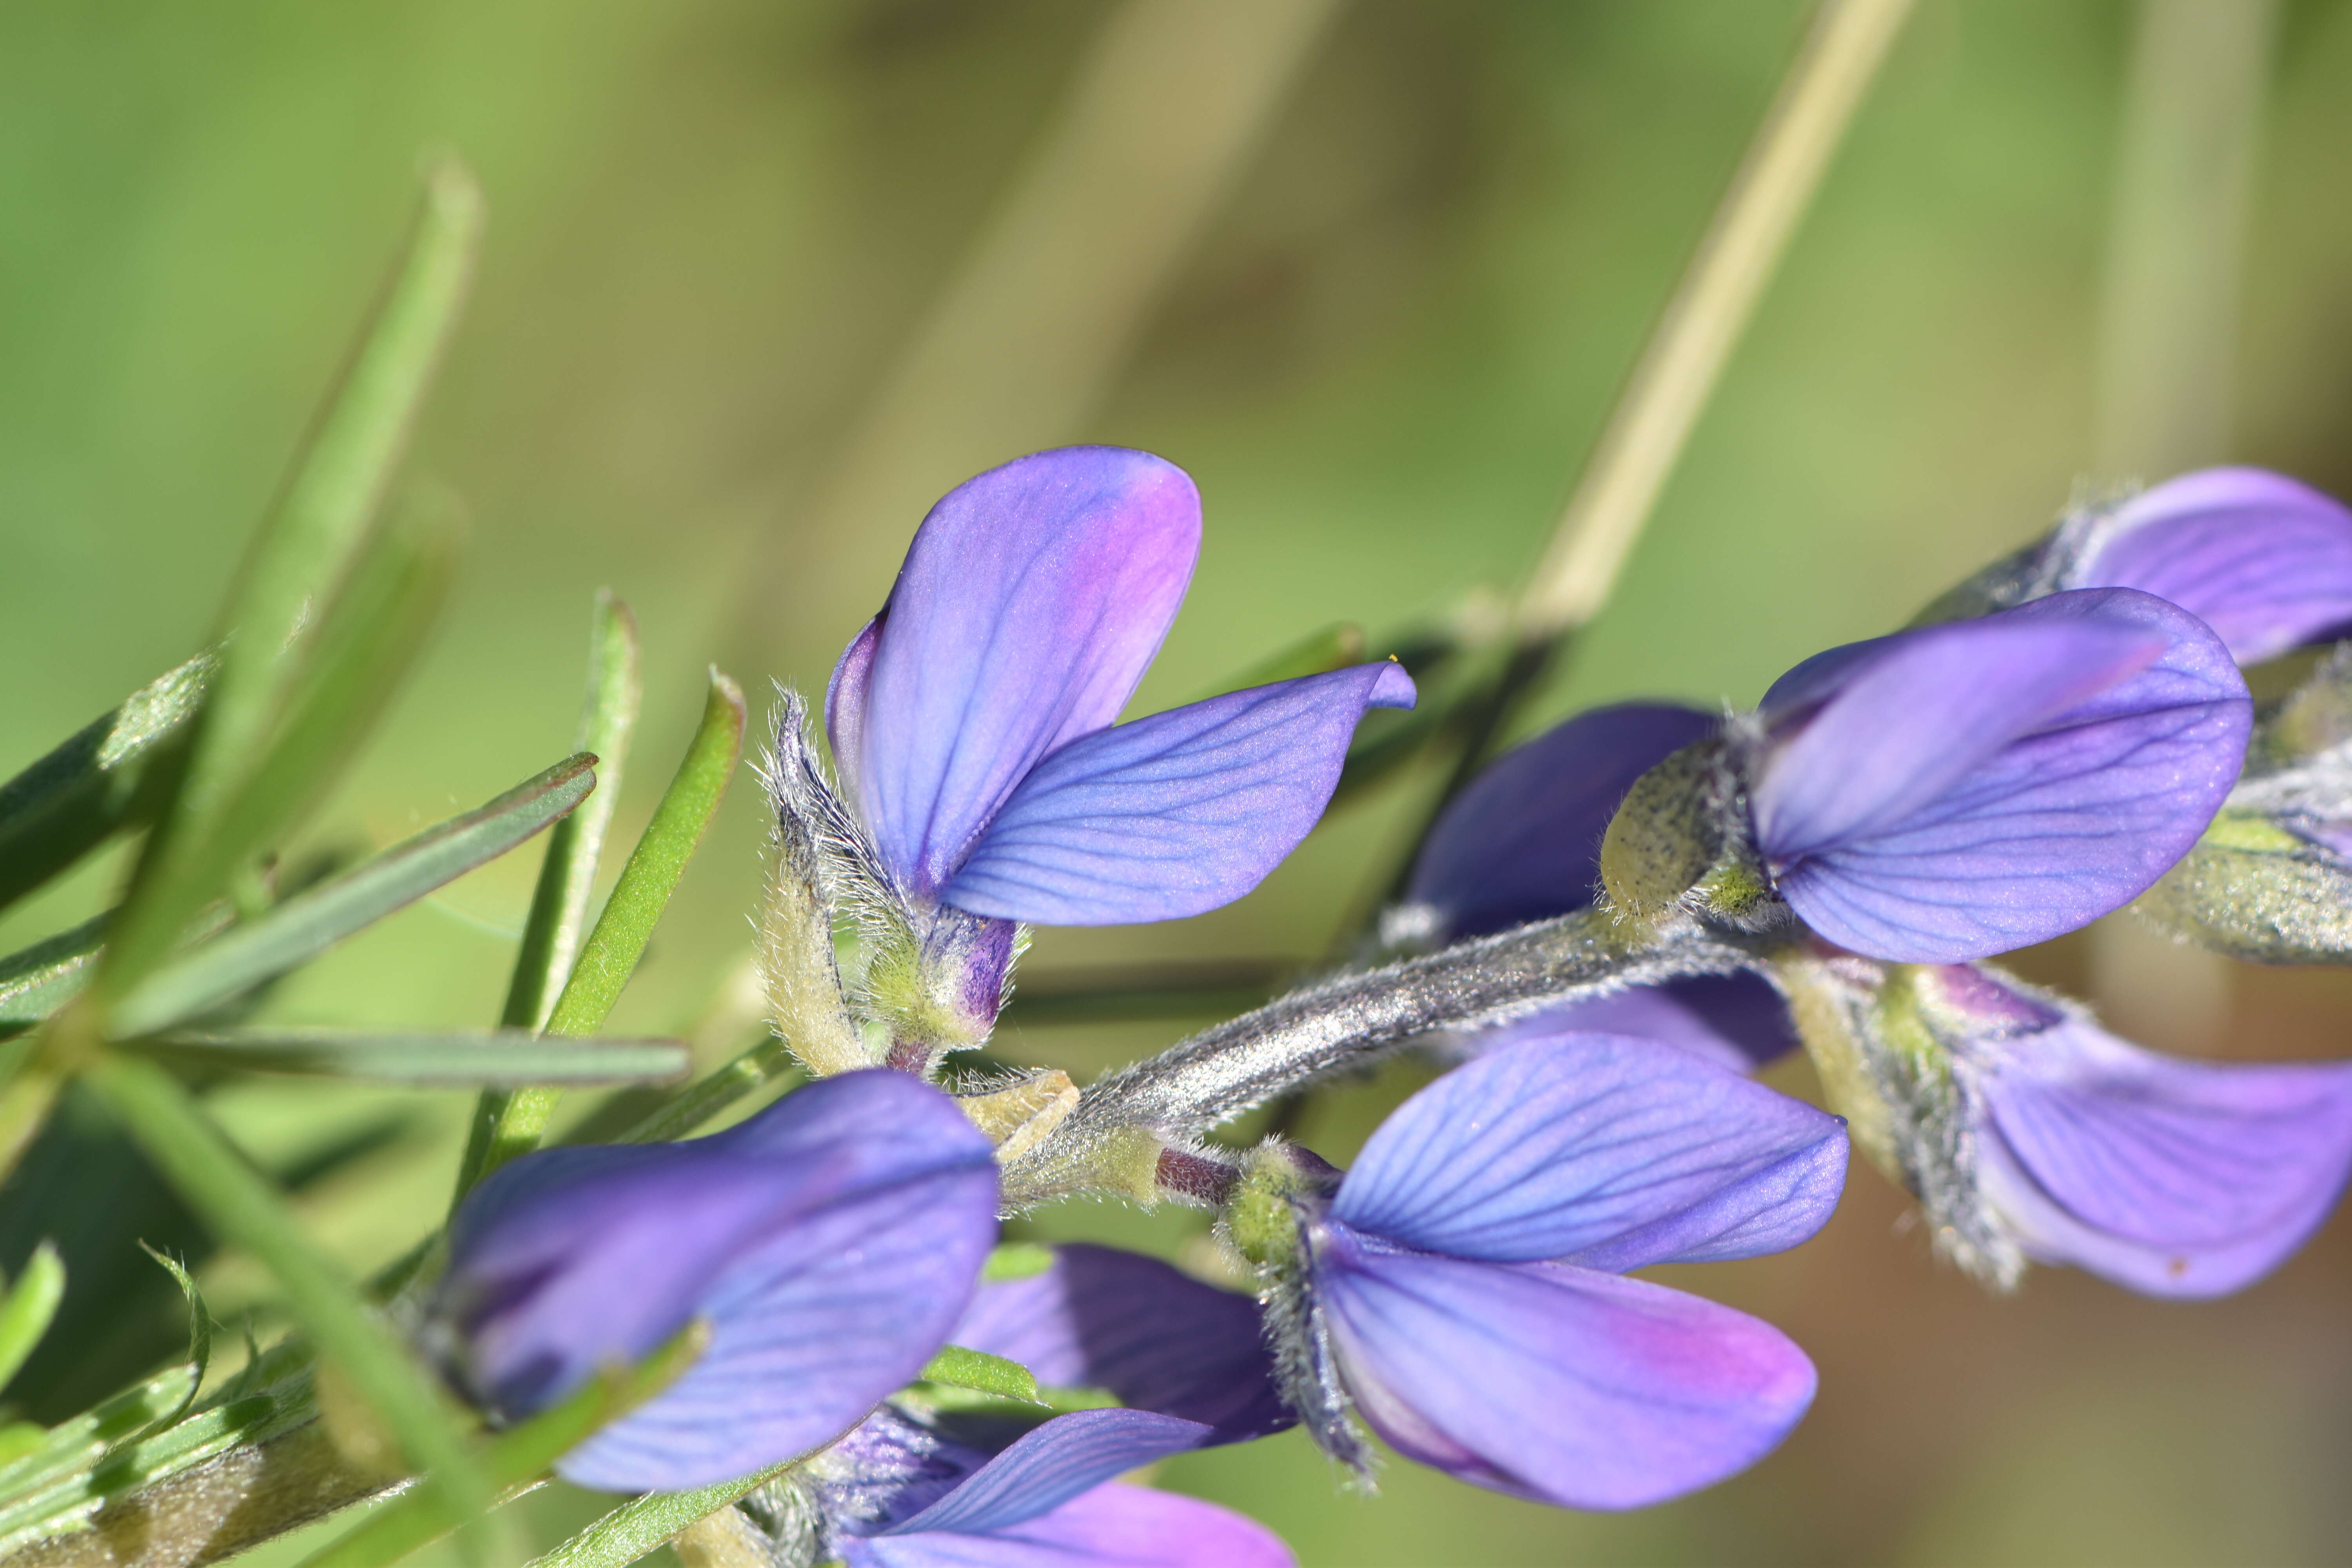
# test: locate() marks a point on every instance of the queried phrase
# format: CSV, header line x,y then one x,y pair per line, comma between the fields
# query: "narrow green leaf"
x,y
517,1458
78,1443
79,1493
297,564
316,919
426,1060
690,1107
1180,989
644,1524
1333,647
642,892
558,905
19,1438
366,644
38,981
243,1209
30,1307
65,805
200,1319
1017,1260
958,1367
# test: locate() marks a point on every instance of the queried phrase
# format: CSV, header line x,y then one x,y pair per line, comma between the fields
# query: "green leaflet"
x,y
611,954
30,1306
65,805
425,1060
316,918
298,565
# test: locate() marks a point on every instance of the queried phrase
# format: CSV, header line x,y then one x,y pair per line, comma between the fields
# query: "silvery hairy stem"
x,y
1353,1019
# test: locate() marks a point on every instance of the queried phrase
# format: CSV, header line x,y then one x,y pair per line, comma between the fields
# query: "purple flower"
x,y
2171,1177
1961,789
919,1485
1522,843
2264,561
829,1242
972,719
1462,1288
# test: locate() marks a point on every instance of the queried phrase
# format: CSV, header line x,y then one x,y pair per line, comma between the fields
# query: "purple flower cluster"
x,y
1668,895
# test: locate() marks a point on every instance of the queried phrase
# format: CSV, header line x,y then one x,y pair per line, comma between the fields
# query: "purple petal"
x,y
1052,1463
2265,562
1552,1382
830,1242
1176,813
1522,841
2175,1178
1029,606
1925,709
2059,816
1155,1337
844,701
1735,1021
1615,1152
1113,1526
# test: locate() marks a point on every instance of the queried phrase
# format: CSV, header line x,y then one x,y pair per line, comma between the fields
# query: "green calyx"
x,y
1262,1215
1672,846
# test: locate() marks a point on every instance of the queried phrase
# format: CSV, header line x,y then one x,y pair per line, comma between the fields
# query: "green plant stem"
x,y
642,1524
611,954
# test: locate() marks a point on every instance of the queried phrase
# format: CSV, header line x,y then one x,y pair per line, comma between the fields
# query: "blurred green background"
x,y
719,230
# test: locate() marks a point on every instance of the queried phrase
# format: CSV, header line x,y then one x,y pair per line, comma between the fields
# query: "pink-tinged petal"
x,y
830,1242
844,701
2265,562
1176,813
2069,815
1113,1526
1031,601
1552,1382
1615,1152
1735,1021
1155,1338
2174,1178
1522,841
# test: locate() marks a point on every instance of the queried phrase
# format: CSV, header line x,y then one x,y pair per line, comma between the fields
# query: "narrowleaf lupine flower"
x,y
924,1483
2264,561
1522,843
1950,792
829,1243
2030,1132
2267,564
972,725
1462,1288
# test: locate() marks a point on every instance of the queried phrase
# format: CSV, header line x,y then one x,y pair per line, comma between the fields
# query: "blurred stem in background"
x,y
1652,420
1031,328
2192,116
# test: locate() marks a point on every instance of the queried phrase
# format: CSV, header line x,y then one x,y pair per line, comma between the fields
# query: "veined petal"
x,y
1113,1526
1522,841
1157,1338
1735,1021
2175,1178
830,1242
2265,562
2074,815
1049,1465
1552,1382
1614,1150
1031,601
1175,813
1925,709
